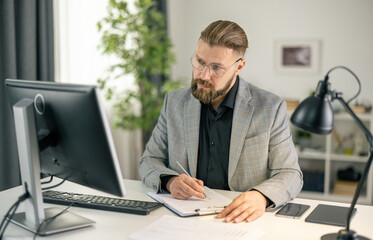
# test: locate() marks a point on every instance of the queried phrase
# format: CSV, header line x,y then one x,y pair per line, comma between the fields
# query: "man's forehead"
x,y
214,54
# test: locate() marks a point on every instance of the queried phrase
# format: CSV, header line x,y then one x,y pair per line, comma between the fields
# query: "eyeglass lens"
x,y
215,70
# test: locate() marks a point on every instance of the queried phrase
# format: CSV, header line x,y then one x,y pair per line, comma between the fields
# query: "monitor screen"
x,y
74,137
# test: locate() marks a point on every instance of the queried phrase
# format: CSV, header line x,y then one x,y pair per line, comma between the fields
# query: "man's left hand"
x,y
246,207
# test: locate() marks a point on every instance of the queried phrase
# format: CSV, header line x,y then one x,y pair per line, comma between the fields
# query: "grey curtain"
x,y
158,80
161,6
26,52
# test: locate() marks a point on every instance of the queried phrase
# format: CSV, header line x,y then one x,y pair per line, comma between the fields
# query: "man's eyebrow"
x,y
214,63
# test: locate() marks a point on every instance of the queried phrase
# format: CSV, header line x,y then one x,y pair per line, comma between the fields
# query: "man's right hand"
x,y
184,187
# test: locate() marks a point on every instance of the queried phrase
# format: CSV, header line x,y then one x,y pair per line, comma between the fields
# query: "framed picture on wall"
x,y
300,56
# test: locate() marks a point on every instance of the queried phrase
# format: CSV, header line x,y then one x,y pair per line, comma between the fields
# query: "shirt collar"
x,y
230,99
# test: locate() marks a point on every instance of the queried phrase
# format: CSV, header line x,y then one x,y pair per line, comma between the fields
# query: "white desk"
x,y
112,225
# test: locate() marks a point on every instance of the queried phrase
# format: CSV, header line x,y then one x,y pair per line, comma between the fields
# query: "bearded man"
x,y
226,132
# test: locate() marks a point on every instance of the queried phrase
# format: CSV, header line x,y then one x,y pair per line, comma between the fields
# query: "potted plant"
x,y
140,42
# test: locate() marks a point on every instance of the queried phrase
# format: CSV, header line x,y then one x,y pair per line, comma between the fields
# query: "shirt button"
x,y
212,169
212,143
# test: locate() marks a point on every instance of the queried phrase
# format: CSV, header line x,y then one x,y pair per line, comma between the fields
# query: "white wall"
x,y
344,28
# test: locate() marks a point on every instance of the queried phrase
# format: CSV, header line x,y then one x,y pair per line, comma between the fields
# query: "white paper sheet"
x,y
172,227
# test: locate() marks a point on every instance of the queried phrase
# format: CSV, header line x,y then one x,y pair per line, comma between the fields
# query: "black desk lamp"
x,y
315,114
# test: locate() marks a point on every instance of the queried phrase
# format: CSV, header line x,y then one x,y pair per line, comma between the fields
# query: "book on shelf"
x,y
343,187
313,180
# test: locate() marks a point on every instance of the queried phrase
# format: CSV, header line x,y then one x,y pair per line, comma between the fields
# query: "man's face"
x,y
206,85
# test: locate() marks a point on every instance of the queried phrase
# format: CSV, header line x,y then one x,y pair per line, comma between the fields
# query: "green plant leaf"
x,y
138,39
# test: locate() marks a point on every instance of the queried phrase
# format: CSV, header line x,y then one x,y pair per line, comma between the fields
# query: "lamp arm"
x,y
366,131
369,137
352,73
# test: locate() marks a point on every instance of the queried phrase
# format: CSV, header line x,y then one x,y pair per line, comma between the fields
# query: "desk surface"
x,y
112,225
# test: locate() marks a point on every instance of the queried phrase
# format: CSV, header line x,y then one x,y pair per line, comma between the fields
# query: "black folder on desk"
x,y
330,215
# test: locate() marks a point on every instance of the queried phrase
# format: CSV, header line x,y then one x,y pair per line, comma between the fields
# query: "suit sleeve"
x,y
285,177
153,164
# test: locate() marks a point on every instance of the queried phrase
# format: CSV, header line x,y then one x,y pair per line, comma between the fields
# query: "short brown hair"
x,y
227,34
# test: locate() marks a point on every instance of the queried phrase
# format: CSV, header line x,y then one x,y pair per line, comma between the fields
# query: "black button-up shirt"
x,y
214,142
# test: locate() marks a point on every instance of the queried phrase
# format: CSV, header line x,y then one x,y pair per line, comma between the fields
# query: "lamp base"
x,y
343,235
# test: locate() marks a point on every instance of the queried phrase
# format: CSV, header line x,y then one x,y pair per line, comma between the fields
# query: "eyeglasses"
x,y
215,70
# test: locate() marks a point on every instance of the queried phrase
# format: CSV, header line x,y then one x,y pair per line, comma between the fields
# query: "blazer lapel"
x,y
242,115
192,114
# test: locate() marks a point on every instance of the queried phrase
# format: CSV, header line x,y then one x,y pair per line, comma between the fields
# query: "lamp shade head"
x,y
315,113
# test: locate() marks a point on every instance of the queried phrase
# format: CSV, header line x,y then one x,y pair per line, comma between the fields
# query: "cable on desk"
x,y
49,181
9,215
56,185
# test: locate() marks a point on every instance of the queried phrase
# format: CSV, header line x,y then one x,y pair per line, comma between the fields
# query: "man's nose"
x,y
206,73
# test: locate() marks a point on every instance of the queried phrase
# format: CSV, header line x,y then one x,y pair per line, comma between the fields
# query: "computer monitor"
x,y
61,130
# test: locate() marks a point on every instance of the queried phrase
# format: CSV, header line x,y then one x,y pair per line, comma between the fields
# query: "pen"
x,y
209,211
212,208
189,175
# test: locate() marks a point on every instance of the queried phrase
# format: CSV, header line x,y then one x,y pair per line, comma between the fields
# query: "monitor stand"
x,y
64,222
35,218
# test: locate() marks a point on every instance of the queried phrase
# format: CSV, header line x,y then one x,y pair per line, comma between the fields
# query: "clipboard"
x,y
193,206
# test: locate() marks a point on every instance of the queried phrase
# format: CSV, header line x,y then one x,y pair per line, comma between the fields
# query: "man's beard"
x,y
208,95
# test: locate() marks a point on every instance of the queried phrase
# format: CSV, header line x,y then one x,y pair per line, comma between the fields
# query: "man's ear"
x,y
242,63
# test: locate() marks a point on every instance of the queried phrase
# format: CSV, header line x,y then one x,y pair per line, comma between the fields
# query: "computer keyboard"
x,y
100,202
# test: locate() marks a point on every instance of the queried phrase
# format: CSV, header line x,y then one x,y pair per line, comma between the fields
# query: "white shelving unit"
x,y
324,155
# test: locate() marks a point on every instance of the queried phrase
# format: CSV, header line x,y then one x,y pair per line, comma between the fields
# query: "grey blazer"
x,y
262,154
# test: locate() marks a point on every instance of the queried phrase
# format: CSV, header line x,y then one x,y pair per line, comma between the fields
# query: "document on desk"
x,y
172,227
185,208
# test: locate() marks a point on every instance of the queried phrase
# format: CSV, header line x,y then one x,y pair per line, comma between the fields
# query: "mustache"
x,y
203,82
